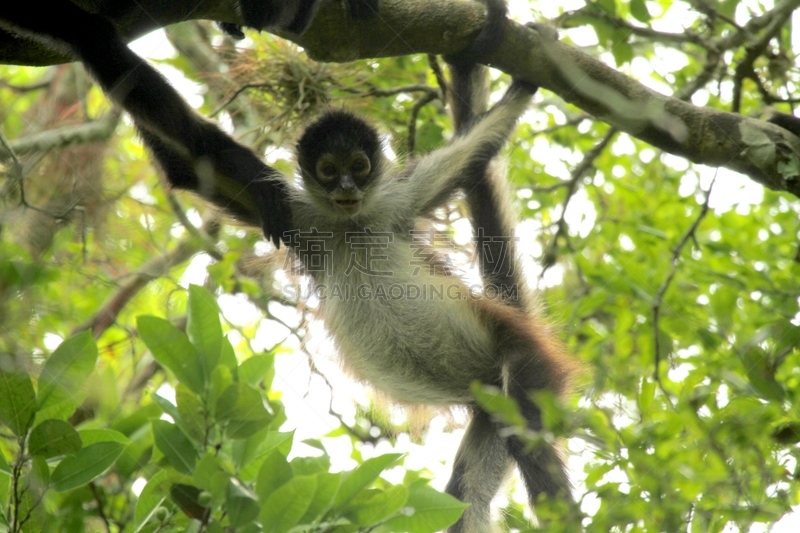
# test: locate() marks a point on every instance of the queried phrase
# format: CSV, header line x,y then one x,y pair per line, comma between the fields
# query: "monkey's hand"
x,y
488,40
518,84
276,214
788,122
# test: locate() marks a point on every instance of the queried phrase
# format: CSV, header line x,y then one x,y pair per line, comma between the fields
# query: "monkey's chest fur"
x,y
408,331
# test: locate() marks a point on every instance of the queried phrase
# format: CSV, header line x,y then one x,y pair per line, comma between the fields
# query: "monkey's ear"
x,y
790,123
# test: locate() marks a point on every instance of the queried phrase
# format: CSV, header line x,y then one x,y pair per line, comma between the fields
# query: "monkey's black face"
x,y
344,176
341,154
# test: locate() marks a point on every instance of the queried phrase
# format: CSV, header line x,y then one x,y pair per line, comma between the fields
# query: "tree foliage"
x,y
129,403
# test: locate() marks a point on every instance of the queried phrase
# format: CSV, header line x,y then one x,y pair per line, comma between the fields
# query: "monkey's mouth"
x,y
351,206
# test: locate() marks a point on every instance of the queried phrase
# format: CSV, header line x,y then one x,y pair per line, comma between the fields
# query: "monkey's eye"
x,y
360,166
326,170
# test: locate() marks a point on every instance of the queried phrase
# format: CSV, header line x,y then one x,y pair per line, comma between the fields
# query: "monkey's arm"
x,y
438,174
183,173
157,108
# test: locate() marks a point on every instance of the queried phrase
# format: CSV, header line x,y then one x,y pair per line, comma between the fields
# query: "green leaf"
x,y
79,469
242,408
363,476
40,472
622,51
175,445
166,406
192,412
302,466
52,438
5,468
172,349
90,436
186,496
247,454
275,472
286,506
151,498
203,328
253,370
327,487
227,356
639,11
760,372
221,379
498,404
17,401
66,370
211,475
135,453
430,510
374,506
608,6
728,7
241,504
646,396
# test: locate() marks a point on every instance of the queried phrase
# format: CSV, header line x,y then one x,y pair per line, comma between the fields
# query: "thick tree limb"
x,y
99,130
766,153
762,151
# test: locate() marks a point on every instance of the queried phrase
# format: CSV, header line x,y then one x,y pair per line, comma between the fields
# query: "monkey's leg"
x,y
542,468
481,465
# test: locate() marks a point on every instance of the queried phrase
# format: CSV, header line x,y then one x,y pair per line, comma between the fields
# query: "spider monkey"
x,y
360,209
197,155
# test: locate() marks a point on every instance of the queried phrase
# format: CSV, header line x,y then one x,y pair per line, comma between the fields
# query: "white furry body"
x,y
409,332
424,350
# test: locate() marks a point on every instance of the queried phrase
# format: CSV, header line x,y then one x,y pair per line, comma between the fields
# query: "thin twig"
x,y
100,512
194,231
412,120
675,260
549,257
436,67
225,103
374,91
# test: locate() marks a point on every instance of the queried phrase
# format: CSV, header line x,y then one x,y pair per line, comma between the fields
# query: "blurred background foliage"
x,y
676,285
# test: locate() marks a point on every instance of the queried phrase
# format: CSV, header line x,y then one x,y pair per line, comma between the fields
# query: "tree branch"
x,y
99,130
138,280
760,150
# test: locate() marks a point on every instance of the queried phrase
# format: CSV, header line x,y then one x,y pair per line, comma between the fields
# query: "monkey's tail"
x,y
487,194
534,360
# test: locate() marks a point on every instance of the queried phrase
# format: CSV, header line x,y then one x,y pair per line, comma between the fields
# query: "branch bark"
x,y
764,152
99,130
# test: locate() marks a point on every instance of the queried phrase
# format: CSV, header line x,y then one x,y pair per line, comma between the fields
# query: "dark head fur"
x,y
339,133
